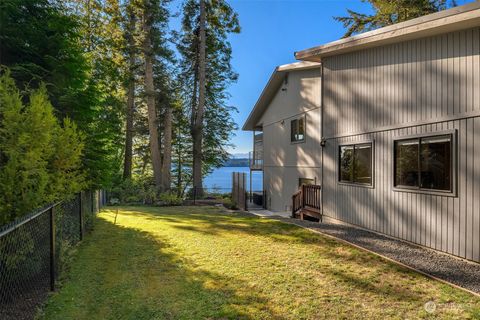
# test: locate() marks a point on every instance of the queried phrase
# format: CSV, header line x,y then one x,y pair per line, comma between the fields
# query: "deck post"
x,y
303,196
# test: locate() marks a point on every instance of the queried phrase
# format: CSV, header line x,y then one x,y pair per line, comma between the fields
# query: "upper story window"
x,y
424,163
297,130
356,163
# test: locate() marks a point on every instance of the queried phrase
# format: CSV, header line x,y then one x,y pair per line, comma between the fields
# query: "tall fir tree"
x,y
156,88
131,56
205,78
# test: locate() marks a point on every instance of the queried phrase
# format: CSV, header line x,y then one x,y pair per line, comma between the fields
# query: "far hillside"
x,y
236,163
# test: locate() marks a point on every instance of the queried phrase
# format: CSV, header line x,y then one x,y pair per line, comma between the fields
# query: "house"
x,y
286,109
391,130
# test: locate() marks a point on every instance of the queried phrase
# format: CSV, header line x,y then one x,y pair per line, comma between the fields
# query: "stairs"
x,y
306,202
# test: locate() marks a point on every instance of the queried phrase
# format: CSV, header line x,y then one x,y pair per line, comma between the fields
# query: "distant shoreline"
x,y
244,162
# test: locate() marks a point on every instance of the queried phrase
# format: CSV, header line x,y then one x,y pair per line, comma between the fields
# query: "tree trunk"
x,y
150,94
167,149
127,165
179,165
197,132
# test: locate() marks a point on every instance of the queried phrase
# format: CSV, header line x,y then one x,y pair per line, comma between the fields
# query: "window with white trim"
x,y
297,130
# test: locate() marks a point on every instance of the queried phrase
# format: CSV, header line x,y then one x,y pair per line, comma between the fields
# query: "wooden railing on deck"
x,y
296,202
308,197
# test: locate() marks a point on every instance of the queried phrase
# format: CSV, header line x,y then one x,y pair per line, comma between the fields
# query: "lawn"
x,y
202,263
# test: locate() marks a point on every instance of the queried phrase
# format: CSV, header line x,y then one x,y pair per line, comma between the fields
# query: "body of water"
x,y
221,178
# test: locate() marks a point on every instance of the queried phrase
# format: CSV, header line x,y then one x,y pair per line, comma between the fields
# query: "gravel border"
x,y
459,272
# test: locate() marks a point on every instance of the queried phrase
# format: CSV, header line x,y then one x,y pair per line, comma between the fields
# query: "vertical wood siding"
x,y
400,90
405,83
285,162
446,223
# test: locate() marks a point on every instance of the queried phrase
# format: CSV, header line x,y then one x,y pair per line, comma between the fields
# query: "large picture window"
x,y
424,163
297,130
355,163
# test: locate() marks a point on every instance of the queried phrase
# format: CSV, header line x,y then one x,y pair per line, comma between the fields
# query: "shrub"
x,y
40,159
128,191
170,199
230,204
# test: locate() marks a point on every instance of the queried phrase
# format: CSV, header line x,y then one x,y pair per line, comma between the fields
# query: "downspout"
x,y
322,139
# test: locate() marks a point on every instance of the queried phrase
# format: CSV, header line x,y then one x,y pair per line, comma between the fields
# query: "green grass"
x,y
201,263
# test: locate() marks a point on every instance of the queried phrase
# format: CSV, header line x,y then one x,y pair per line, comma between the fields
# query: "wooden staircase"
x,y
307,202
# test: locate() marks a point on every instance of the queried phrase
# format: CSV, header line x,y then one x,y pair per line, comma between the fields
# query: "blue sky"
x,y
272,30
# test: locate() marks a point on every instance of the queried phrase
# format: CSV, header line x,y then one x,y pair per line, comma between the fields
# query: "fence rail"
x,y
33,247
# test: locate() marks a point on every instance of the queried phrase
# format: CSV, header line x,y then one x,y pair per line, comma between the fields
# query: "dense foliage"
x,y
44,42
40,160
389,12
122,85
218,125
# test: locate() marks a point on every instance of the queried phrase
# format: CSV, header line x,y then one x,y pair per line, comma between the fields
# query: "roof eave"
x,y
458,18
270,89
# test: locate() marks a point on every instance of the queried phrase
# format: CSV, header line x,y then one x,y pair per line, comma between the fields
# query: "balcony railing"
x,y
256,160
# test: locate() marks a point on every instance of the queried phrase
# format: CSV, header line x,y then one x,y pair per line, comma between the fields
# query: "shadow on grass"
x,y
217,223
129,274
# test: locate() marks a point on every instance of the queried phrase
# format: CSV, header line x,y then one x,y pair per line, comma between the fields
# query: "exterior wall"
x,y
422,86
403,84
285,162
301,94
281,182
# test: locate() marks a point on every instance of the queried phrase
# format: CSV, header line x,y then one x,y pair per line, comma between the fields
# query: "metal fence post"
x,y
80,214
52,248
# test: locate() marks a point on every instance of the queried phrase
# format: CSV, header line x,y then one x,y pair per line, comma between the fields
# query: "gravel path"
x,y
457,271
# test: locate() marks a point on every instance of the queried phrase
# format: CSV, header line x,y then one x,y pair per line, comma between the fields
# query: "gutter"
x,y
454,19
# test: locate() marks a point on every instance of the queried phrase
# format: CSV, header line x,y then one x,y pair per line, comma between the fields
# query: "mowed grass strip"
x,y
201,263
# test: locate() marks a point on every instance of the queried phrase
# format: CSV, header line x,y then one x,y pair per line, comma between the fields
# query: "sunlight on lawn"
x,y
200,263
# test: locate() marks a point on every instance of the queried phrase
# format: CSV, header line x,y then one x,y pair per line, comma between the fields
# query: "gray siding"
x,y
282,182
403,84
422,86
285,162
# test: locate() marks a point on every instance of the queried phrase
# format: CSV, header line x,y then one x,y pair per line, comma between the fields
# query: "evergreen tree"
x,y
390,12
72,48
40,161
103,42
211,124
131,53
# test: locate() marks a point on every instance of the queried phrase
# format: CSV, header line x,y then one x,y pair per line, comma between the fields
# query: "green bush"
x,y
142,190
131,191
40,158
230,204
170,199
149,194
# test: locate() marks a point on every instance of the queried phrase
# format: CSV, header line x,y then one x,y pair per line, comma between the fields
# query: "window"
x,y
356,164
305,181
297,130
424,163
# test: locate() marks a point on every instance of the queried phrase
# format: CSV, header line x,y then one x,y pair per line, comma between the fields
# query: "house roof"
x,y
454,19
273,84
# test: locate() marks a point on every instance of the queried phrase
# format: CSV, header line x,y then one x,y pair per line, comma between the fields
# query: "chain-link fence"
x,y
33,249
